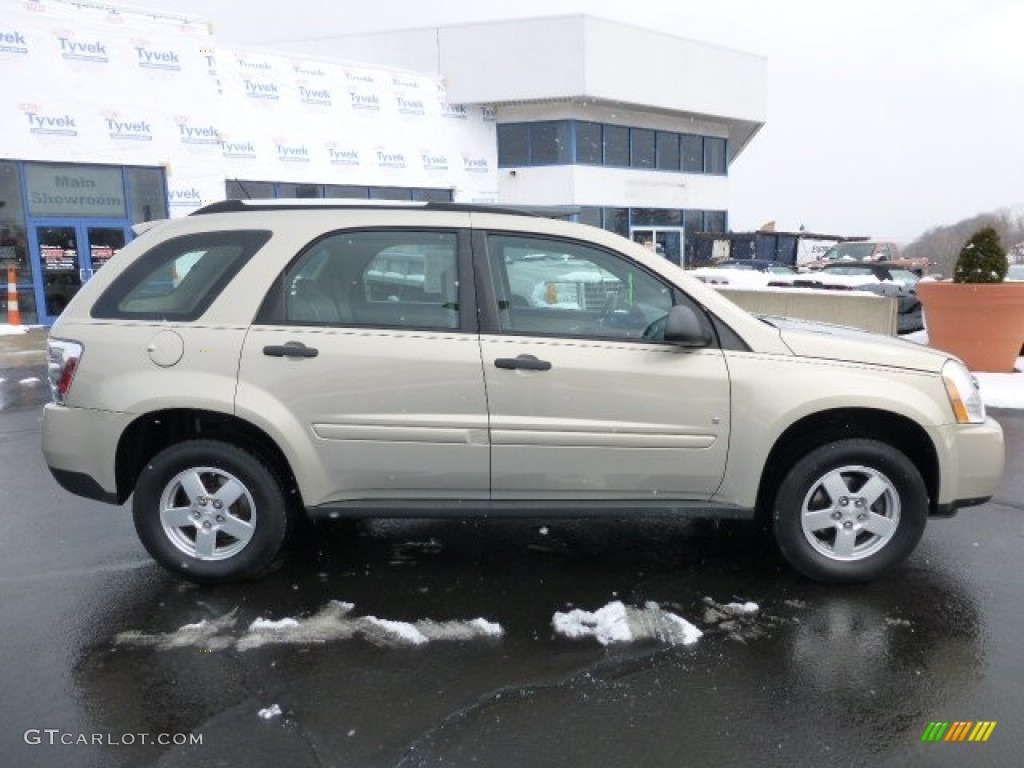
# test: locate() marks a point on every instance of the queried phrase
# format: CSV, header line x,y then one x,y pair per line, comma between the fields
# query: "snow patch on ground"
x,y
271,712
618,623
334,622
12,330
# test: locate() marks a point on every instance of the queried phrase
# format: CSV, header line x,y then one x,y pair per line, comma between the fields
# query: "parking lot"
x,y
370,652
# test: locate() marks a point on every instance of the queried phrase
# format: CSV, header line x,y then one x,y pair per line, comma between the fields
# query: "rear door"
x,y
366,362
586,402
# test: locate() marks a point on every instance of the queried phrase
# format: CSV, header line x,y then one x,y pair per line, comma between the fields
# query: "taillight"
x,y
63,362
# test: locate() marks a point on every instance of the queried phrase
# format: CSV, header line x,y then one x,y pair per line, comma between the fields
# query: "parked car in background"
x,y
883,278
350,360
869,250
752,273
1015,273
757,265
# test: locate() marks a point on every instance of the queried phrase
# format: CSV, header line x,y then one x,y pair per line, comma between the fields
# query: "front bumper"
x,y
971,463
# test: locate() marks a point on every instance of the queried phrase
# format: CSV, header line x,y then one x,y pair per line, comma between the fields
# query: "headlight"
x,y
964,396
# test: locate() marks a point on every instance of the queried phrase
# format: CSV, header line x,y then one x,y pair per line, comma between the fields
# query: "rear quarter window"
x,y
179,278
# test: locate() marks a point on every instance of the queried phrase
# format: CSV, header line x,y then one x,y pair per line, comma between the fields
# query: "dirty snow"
x,y
334,622
618,623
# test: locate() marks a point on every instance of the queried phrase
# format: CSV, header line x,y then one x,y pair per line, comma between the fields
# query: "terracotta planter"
x,y
981,323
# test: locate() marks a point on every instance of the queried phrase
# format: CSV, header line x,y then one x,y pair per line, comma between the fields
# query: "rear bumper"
x,y
80,448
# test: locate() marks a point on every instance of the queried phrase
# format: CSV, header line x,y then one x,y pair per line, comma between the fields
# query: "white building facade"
x,y
114,117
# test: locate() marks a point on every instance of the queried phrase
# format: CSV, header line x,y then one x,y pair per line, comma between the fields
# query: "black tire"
x,y
877,526
196,538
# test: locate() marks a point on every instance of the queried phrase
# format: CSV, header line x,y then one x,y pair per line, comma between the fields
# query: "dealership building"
x,y
114,117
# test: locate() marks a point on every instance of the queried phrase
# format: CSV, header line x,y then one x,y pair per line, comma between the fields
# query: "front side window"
x,y
382,279
550,287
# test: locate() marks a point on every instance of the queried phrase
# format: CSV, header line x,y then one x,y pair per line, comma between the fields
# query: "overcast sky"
x,y
885,117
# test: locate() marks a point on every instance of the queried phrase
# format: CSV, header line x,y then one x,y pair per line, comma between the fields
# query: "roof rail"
x,y
309,204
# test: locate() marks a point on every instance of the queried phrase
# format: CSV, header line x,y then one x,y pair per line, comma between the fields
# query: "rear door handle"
x,y
522,363
290,349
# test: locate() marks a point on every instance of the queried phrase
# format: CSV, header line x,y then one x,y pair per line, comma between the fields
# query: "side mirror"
x,y
683,327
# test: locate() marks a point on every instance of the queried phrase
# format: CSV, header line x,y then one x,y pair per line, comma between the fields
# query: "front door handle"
x,y
290,349
522,363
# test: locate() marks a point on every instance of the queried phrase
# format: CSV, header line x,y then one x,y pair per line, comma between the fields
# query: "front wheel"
x,y
210,511
850,510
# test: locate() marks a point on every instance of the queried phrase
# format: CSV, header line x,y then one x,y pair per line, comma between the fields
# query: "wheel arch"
x,y
821,428
150,433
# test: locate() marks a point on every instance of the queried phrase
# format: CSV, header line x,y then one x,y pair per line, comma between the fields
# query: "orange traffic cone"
x,y
13,313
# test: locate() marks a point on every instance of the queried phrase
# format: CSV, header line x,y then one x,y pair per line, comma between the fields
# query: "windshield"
x,y
849,251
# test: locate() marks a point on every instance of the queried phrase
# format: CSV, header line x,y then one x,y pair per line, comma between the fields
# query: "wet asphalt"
x,y
818,676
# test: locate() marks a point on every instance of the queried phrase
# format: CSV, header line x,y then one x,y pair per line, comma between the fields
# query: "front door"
x,y
585,401
68,252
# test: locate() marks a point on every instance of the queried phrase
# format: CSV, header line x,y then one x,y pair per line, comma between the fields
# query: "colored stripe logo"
x,y
959,730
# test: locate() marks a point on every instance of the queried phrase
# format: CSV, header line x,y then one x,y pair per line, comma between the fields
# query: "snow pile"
x,y
333,622
336,622
12,330
617,623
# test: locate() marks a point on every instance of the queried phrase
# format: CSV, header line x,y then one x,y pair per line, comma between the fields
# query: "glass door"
x,y
68,252
665,242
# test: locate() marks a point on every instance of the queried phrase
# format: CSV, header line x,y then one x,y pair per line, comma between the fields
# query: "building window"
x,y
667,151
616,146
513,144
347,191
714,155
692,149
588,143
549,143
589,214
561,142
390,193
714,221
287,189
248,190
693,221
432,195
617,220
641,148
147,194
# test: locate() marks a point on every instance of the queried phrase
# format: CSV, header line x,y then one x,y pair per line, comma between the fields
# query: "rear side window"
x,y
381,279
180,278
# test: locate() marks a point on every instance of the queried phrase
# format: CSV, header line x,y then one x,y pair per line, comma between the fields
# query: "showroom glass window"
x,y
667,147
616,146
641,148
589,150
550,143
692,149
514,144
714,155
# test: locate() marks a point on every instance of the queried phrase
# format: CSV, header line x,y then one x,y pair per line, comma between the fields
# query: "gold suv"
x,y
255,362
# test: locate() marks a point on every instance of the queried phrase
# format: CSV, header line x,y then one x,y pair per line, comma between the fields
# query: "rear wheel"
x,y
211,512
850,510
